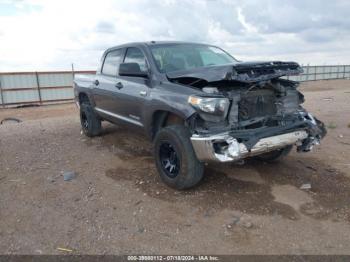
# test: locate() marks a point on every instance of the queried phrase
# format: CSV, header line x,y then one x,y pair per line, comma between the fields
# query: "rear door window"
x,y
112,61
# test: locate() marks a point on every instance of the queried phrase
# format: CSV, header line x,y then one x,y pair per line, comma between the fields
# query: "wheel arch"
x,y
162,118
83,97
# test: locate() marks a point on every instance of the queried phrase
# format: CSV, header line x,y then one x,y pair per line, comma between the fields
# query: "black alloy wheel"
x,y
84,121
169,159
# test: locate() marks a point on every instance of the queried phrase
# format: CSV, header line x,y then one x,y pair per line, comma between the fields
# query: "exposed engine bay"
x,y
252,102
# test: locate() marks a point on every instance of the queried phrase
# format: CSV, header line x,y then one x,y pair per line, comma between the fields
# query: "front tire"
x,y
176,160
90,123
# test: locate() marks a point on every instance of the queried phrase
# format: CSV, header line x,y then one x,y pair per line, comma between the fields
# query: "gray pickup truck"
x,y
197,104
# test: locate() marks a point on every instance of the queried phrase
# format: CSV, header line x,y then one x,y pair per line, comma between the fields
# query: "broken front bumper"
x,y
225,148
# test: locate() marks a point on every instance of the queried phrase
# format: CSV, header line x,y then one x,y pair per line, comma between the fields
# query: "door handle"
x,y
96,82
119,85
143,93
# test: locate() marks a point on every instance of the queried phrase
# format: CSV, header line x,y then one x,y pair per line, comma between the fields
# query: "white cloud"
x,y
48,35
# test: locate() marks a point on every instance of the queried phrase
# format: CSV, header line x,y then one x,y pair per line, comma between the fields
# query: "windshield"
x,y
174,57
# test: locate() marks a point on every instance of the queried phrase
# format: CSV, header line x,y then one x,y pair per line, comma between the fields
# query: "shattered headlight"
x,y
217,106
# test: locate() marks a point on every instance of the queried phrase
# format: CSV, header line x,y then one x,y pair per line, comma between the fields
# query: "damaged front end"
x,y
247,109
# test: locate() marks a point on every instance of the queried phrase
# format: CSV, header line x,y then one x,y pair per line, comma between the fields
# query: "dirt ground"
x,y
117,204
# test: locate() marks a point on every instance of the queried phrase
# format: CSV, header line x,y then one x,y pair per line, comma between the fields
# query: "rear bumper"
x,y
224,148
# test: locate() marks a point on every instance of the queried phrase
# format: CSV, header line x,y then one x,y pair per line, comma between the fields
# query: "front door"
x,y
134,91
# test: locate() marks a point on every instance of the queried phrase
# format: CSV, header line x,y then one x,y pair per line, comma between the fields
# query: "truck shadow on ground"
x,y
255,187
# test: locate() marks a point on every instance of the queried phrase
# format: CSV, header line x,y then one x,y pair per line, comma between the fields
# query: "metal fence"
x,y
22,88
326,72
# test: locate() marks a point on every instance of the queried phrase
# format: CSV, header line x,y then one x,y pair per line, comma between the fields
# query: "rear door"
x,y
106,90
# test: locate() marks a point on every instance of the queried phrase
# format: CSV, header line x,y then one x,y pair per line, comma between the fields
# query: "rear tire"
x,y
176,160
275,155
90,123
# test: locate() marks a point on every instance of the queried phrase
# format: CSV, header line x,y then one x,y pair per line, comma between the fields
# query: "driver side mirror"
x,y
131,69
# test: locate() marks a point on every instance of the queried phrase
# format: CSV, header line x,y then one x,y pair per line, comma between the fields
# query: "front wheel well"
x,y
162,119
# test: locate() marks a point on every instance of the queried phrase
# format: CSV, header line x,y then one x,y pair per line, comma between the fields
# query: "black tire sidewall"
x,y
173,140
94,123
191,170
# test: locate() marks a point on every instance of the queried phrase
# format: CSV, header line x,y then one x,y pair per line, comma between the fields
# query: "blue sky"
x,y
50,35
13,8
7,9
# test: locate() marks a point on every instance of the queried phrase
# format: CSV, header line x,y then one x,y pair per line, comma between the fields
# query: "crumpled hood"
x,y
247,72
